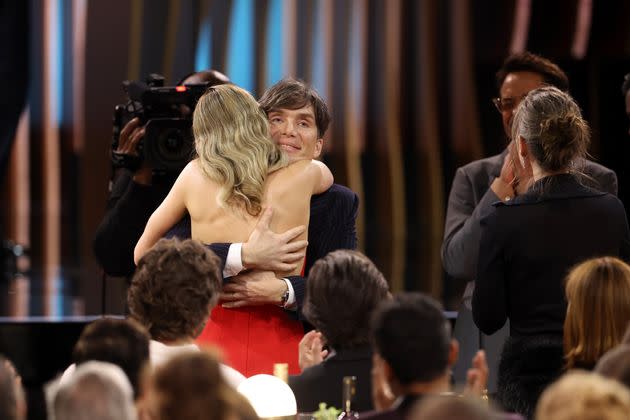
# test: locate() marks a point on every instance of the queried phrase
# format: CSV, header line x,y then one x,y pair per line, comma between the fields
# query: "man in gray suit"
x,y
497,178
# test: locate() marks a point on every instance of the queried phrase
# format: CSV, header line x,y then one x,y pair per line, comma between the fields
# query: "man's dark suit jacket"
x,y
529,244
323,382
332,226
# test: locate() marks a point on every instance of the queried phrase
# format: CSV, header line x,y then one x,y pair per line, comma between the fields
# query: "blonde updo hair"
x,y
598,312
552,126
234,146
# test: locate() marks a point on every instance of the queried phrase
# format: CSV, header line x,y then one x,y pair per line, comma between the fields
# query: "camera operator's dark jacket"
x,y
128,209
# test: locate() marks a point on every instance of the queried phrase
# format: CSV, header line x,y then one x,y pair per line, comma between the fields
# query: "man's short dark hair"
x,y
211,77
526,61
122,342
412,335
174,288
625,87
295,94
342,291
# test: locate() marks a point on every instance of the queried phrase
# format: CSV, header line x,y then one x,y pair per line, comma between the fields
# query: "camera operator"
x,y
135,192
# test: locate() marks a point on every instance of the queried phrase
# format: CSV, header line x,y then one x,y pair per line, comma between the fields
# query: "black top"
x,y
323,382
529,244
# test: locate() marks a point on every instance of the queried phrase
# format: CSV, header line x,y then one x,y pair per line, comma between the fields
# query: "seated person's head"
x,y
190,386
12,401
174,288
123,343
549,130
450,407
584,396
96,391
598,311
234,146
342,290
615,364
412,342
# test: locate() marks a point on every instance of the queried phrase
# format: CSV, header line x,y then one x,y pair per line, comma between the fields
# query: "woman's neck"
x,y
539,173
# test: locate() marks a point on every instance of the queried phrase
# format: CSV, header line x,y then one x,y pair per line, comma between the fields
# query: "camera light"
x,y
180,88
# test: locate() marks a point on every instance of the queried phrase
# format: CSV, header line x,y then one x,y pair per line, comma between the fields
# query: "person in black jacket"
x,y
528,244
343,290
413,354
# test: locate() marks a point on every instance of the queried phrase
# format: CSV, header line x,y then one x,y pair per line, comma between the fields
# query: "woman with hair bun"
x,y
529,244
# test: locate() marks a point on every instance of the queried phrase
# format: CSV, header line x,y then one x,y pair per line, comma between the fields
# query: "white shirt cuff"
x,y
290,303
233,262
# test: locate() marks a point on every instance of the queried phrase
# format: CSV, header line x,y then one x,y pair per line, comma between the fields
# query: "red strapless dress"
x,y
253,338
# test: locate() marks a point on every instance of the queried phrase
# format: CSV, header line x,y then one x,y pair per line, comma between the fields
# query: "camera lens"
x,y
170,145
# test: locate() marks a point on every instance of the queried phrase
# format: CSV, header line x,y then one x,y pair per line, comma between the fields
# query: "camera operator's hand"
x,y
130,136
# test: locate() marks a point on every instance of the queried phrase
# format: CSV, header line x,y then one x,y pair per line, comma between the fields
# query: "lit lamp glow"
x,y
270,396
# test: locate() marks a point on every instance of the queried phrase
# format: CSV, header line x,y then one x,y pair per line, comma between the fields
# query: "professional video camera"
x,y
167,112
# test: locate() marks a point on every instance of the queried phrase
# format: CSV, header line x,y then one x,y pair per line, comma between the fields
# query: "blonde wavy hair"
x,y
234,146
598,312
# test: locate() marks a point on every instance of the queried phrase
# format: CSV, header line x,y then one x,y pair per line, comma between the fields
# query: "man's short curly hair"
x,y
174,288
342,290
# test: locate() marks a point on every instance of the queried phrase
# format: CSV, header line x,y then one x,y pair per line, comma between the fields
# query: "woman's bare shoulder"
x,y
194,170
298,166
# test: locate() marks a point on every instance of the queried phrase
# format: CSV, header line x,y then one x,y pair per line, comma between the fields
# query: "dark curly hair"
x,y
342,290
175,286
526,61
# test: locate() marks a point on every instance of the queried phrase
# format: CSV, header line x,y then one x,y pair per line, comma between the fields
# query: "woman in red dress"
x,y
238,172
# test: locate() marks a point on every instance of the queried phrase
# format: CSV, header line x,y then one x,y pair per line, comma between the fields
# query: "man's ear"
x,y
453,353
319,144
388,373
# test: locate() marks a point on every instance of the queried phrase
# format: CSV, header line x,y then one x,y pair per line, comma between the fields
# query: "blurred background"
x,y
409,83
